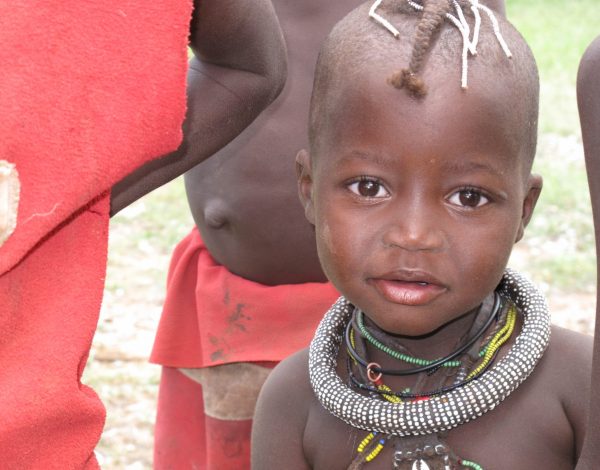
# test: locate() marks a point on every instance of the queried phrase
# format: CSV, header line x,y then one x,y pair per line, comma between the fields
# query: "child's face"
x,y
417,205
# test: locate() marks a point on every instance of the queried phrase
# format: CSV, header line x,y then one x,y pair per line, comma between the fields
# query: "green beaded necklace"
x,y
399,355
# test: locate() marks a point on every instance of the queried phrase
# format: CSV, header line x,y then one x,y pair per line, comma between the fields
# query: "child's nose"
x,y
414,229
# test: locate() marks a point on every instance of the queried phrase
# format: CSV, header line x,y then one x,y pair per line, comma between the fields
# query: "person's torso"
x,y
244,198
529,430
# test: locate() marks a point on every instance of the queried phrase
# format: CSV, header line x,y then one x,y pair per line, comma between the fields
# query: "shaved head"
x,y
359,47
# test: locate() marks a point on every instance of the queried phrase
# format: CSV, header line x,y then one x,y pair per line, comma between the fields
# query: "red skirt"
x,y
212,317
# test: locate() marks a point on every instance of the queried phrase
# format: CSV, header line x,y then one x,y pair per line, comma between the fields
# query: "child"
x,y
418,183
588,97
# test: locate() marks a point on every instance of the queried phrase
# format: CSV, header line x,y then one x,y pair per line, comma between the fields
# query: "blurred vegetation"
x,y
558,32
560,240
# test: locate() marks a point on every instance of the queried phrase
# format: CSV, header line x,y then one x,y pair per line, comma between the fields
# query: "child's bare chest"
x,y
527,431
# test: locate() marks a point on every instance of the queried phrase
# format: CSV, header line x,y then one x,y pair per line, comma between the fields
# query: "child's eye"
x,y
471,198
369,188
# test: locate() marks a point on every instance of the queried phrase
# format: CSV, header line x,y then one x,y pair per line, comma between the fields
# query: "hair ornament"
x,y
381,20
460,22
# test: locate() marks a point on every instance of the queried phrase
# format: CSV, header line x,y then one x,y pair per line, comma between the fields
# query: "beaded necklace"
x,y
429,452
490,350
439,413
400,355
426,365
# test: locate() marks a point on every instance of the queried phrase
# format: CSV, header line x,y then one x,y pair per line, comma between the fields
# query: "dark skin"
x,y
239,68
243,198
468,200
588,97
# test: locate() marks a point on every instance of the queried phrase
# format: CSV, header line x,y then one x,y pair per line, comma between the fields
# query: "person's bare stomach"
x,y
244,199
250,218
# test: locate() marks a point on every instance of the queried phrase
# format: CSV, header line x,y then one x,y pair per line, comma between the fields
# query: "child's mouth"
x,y
407,292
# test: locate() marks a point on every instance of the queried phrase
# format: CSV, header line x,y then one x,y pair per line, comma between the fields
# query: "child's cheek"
x,y
326,239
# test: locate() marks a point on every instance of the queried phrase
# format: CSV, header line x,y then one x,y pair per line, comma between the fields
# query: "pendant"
x,y
424,453
420,465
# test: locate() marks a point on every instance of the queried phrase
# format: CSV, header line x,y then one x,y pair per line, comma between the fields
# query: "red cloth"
x,y
88,91
213,317
186,438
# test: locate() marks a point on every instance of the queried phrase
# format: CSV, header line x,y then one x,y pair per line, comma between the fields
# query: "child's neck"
x,y
436,344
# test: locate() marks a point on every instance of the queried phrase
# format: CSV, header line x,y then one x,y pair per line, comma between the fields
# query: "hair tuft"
x,y
410,81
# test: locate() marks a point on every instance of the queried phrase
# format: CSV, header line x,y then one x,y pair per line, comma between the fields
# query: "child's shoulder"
x,y
566,366
290,376
569,352
569,357
281,413
564,372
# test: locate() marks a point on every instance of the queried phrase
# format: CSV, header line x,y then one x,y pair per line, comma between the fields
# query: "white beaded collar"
x,y
439,413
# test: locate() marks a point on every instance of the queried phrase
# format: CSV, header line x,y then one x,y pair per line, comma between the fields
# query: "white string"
x,y
475,10
381,20
460,22
465,50
496,28
465,26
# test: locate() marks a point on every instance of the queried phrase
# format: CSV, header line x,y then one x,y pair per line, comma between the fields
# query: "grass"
x,y
558,32
560,239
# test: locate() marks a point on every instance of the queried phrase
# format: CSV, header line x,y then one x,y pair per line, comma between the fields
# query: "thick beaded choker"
x,y
439,413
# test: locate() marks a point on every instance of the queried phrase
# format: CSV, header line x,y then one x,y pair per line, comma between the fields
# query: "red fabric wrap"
x,y
186,438
88,91
213,317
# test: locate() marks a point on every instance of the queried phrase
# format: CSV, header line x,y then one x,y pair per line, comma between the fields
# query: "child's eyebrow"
x,y
463,166
376,158
471,166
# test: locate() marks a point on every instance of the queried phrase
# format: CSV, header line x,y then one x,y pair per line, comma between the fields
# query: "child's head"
x,y
418,193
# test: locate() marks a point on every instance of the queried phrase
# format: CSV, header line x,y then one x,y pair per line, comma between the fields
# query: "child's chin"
x,y
407,328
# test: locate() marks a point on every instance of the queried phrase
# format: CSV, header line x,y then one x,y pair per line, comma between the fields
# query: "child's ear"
x,y
534,188
305,183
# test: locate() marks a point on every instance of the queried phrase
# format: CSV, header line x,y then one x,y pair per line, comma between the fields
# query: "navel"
x,y
215,214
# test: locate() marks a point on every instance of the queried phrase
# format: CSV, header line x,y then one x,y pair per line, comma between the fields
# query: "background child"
x,y
417,197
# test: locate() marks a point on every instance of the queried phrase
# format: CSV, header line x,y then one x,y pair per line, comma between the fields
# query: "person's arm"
x,y
588,99
280,416
239,68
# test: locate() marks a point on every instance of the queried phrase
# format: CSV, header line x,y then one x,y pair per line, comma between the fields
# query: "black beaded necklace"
x,y
434,365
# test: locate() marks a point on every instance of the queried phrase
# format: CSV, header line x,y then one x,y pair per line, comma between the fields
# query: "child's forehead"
x,y
491,108
360,56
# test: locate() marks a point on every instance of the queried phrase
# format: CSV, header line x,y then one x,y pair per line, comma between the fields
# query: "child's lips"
x,y
408,292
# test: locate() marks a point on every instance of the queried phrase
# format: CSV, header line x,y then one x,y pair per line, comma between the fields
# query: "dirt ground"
x,y
118,368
